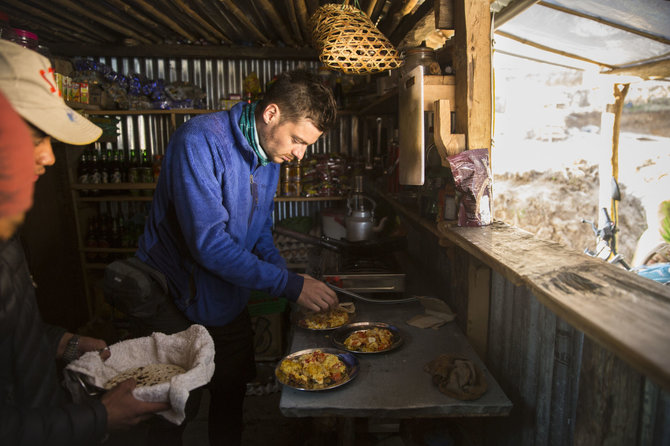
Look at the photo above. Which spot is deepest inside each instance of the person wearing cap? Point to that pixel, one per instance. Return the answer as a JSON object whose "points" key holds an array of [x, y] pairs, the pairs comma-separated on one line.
{"points": [[16, 166], [34, 407]]}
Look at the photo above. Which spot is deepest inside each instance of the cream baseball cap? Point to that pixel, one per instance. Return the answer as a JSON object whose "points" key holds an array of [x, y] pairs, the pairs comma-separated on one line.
{"points": [[27, 81]]}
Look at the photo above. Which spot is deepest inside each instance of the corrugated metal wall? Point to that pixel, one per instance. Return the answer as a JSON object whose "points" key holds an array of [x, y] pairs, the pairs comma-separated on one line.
{"points": [[218, 78], [539, 361], [536, 358]]}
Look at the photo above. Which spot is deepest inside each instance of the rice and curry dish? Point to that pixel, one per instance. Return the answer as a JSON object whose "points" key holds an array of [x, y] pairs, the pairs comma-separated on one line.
{"points": [[313, 371], [369, 340], [333, 318]]}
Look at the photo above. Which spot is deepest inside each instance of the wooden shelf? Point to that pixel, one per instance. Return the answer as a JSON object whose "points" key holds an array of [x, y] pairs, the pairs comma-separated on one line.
{"points": [[116, 198], [114, 186], [378, 105], [109, 250], [285, 199], [176, 111]]}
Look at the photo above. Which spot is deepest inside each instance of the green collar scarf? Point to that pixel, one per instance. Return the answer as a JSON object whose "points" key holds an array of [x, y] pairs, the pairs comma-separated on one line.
{"points": [[248, 127]]}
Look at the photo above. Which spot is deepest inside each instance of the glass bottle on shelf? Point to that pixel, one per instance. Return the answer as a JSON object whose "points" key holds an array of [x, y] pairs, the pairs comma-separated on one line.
{"points": [[94, 172], [123, 165], [146, 172], [115, 168], [82, 171], [104, 168], [133, 167]]}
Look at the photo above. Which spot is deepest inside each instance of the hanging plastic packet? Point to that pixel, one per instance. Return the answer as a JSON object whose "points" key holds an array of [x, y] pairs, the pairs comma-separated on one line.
{"points": [[472, 177]]}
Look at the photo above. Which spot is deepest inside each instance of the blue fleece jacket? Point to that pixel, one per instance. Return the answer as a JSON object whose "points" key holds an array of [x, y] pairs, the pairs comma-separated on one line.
{"points": [[209, 229]]}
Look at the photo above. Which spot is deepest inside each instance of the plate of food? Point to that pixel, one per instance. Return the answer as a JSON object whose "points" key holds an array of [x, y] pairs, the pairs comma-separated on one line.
{"points": [[367, 337], [316, 369], [326, 320]]}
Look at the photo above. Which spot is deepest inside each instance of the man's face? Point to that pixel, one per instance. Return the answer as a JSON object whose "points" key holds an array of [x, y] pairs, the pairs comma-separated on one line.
{"points": [[42, 151], [285, 140]]}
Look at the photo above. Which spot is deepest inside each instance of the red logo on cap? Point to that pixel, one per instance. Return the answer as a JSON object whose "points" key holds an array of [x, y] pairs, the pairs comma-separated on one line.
{"points": [[52, 89]]}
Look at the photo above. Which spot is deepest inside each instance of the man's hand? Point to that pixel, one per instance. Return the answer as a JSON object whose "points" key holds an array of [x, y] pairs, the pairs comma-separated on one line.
{"points": [[124, 410], [85, 344], [316, 295]]}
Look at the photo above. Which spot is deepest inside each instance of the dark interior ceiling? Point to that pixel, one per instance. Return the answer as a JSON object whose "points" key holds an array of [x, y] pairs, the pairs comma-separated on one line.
{"points": [[278, 27], [619, 36]]}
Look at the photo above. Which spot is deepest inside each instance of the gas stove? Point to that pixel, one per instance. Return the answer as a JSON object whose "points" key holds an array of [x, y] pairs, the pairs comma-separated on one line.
{"points": [[363, 274]]}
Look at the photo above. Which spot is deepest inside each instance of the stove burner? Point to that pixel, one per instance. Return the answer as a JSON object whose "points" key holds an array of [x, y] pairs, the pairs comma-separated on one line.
{"points": [[365, 265]]}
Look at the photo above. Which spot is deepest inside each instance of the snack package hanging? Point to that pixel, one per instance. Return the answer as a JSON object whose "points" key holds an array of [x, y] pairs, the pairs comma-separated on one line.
{"points": [[472, 177]]}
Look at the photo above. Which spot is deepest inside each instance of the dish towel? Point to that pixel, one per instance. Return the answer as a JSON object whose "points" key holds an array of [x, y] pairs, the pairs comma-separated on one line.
{"points": [[191, 349], [457, 377], [436, 313]]}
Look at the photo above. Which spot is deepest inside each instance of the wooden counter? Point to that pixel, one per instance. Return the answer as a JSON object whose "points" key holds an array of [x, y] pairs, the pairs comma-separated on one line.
{"points": [[627, 314]]}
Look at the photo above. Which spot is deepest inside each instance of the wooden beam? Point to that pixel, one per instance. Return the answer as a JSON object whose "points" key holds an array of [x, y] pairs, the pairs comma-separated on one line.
{"points": [[447, 143], [105, 22], [512, 10], [472, 69], [303, 17], [293, 21], [185, 51], [398, 14], [113, 16], [216, 18], [479, 301], [606, 22], [444, 14], [141, 18], [197, 18], [242, 17], [421, 23], [653, 70], [46, 30], [371, 8], [312, 6], [278, 23], [620, 92], [174, 26], [49, 12], [551, 50]]}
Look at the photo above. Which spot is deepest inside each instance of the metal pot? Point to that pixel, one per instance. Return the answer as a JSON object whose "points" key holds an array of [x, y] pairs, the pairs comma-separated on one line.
{"points": [[360, 220]]}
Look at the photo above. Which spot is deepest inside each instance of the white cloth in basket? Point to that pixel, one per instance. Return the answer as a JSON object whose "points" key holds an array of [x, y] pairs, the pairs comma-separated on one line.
{"points": [[191, 349]]}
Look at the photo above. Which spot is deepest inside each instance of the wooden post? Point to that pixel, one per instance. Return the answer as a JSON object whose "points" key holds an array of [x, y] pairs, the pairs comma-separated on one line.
{"points": [[610, 125], [472, 68], [479, 300]]}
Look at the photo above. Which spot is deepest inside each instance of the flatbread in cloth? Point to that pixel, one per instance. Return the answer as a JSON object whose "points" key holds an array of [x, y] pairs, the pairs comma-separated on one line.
{"points": [[147, 375], [191, 350]]}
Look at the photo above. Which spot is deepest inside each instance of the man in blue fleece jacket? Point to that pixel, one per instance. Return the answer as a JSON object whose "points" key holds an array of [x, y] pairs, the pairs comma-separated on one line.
{"points": [[209, 229]]}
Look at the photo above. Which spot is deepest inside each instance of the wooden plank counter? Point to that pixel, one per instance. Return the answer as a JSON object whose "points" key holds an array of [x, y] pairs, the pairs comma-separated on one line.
{"points": [[393, 384], [627, 314]]}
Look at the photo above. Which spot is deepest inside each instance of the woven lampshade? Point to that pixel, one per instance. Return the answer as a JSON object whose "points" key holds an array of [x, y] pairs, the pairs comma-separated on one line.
{"points": [[349, 42]]}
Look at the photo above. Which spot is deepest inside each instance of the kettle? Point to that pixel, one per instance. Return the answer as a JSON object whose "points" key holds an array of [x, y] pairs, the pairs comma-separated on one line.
{"points": [[360, 220]]}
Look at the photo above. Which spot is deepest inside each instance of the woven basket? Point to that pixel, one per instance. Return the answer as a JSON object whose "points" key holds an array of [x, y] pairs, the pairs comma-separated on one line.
{"points": [[348, 41]]}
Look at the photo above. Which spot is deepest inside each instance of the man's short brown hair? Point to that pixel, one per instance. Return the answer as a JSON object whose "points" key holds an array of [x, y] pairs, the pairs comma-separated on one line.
{"points": [[300, 94]]}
